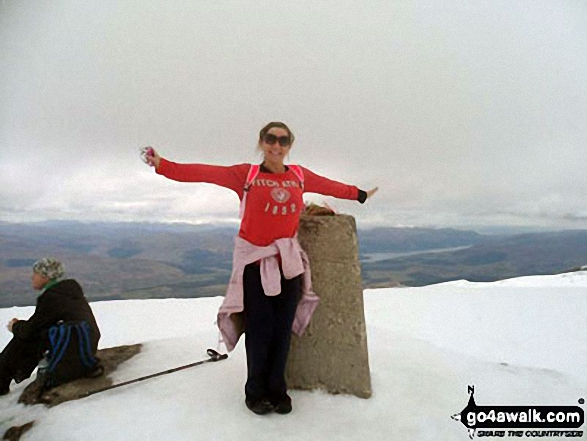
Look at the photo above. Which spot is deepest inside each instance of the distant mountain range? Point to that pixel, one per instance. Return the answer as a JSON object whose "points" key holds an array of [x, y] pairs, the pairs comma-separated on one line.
{"points": [[141, 260], [488, 258]]}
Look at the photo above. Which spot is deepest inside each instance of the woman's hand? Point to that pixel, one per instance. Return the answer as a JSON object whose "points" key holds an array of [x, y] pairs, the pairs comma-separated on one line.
{"points": [[10, 323], [152, 157], [371, 192]]}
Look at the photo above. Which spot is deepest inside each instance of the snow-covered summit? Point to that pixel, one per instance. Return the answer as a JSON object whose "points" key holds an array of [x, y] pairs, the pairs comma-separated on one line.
{"points": [[519, 341]]}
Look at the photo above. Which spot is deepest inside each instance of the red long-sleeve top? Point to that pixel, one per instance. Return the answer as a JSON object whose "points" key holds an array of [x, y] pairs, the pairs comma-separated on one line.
{"points": [[274, 201]]}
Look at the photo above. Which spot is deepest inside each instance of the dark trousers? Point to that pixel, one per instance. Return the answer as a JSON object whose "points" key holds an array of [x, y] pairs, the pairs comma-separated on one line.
{"points": [[18, 360], [268, 322]]}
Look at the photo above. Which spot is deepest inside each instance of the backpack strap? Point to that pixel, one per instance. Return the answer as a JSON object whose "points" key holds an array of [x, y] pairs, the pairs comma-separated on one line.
{"points": [[251, 176], [59, 336], [299, 173], [85, 349]]}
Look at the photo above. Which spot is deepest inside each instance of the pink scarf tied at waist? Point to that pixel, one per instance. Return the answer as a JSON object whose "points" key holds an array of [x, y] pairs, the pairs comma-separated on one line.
{"points": [[294, 262]]}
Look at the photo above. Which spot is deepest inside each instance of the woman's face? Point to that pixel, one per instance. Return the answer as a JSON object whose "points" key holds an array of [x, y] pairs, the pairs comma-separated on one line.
{"points": [[39, 281], [271, 145]]}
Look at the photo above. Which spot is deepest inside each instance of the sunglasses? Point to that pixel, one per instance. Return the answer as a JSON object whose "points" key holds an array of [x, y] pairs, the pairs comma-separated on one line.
{"points": [[272, 139]]}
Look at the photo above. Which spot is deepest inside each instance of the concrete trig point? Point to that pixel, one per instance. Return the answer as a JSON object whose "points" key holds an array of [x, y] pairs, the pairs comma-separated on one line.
{"points": [[332, 354]]}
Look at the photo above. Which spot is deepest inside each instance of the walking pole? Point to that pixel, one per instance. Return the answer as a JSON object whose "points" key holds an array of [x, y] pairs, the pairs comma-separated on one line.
{"points": [[214, 356]]}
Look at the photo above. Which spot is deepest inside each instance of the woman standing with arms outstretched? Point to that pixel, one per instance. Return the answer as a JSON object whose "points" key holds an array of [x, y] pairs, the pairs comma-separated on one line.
{"points": [[270, 292]]}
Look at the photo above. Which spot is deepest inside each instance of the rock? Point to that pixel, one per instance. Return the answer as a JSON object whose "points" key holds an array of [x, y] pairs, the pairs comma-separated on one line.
{"points": [[332, 354], [110, 358], [14, 433]]}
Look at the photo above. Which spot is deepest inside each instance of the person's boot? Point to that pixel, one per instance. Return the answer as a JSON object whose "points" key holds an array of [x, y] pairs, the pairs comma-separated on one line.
{"points": [[20, 376], [282, 405], [97, 371], [260, 407]]}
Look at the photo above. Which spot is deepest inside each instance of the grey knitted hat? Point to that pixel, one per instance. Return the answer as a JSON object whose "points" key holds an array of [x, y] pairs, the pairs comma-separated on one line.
{"points": [[49, 267]]}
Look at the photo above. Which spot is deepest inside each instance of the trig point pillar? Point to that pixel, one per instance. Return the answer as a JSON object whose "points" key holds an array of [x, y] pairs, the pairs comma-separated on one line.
{"points": [[332, 354]]}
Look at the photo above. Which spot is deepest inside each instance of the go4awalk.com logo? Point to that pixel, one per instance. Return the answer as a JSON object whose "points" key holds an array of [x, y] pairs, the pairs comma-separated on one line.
{"points": [[521, 421]]}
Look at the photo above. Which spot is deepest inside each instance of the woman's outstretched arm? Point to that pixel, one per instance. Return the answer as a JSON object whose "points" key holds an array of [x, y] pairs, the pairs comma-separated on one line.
{"points": [[232, 177], [314, 183]]}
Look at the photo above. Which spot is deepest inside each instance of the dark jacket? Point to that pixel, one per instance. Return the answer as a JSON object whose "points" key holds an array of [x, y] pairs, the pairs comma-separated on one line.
{"points": [[62, 301]]}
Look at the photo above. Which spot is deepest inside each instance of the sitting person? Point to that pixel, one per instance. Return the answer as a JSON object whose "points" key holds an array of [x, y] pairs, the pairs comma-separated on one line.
{"points": [[62, 320]]}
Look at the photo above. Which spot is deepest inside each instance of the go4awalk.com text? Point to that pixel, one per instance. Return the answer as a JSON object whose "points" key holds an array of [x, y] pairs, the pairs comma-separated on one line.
{"points": [[521, 421]]}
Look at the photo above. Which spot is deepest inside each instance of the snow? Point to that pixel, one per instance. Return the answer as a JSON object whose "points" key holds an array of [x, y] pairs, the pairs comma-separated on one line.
{"points": [[519, 341]]}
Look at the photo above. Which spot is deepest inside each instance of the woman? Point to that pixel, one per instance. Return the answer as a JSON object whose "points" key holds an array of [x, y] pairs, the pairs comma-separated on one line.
{"points": [[60, 301], [270, 270]]}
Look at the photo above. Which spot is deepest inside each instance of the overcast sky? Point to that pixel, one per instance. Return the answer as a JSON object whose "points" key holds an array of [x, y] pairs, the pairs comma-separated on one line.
{"points": [[462, 112]]}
